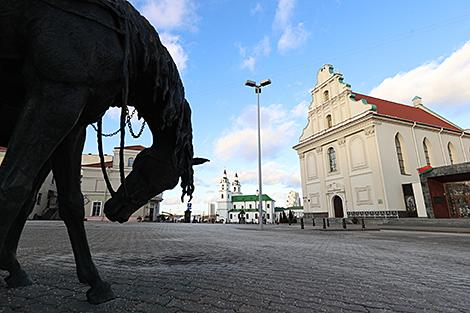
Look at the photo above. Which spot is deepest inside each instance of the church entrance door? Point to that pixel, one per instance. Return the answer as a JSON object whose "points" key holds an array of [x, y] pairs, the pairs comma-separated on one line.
{"points": [[338, 206]]}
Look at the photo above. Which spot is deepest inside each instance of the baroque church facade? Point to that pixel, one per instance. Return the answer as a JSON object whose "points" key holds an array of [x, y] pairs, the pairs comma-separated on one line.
{"points": [[360, 155], [235, 207]]}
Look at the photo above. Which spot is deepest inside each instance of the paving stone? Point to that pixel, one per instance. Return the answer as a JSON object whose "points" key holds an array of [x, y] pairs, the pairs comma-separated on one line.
{"points": [[236, 268]]}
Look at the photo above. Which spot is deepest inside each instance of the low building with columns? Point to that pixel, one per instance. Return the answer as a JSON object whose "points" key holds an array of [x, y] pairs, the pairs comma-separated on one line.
{"points": [[359, 155]]}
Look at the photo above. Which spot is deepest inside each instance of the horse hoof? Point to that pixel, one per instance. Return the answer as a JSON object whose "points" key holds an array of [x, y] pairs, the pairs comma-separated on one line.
{"points": [[18, 279], [100, 294]]}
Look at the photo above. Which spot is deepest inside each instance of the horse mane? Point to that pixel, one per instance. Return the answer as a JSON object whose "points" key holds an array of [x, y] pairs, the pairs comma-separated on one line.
{"points": [[167, 101], [184, 151]]}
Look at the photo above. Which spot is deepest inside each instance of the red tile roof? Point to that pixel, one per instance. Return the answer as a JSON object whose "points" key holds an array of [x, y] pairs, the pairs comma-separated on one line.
{"points": [[136, 148], [406, 112], [107, 164]]}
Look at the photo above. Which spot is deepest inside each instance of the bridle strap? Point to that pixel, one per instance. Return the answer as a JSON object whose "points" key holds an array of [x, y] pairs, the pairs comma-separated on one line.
{"points": [[103, 165]]}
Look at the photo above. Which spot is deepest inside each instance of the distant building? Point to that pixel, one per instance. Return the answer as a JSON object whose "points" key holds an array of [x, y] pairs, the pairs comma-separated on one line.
{"points": [[359, 156], [211, 212], [93, 187], [293, 199], [235, 207], [46, 197]]}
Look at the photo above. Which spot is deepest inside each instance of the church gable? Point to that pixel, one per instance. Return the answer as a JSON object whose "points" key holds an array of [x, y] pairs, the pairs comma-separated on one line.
{"points": [[331, 103]]}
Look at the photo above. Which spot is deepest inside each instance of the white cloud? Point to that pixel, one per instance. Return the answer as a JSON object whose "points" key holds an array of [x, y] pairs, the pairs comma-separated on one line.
{"points": [[249, 63], [263, 47], [442, 82], [170, 14], [292, 38], [179, 55], [251, 56], [278, 129], [257, 8], [273, 173], [114, 113], [301, 109], [167, 16], [284, 12]]}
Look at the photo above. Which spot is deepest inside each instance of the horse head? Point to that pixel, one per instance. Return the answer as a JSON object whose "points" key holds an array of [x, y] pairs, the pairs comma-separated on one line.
{"points": [[153, 172]]}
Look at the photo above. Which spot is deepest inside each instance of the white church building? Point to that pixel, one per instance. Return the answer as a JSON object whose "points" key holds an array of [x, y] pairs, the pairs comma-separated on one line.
{"points": [[359, 155], [235, 207]]}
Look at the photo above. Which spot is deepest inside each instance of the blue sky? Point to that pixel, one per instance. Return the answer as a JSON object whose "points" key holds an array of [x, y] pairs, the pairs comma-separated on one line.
{"points": [[390, 49]]}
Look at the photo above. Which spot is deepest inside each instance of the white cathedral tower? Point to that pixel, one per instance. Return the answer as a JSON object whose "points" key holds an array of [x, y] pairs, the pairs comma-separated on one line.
{"points": [[224, 201], [237, 186]]}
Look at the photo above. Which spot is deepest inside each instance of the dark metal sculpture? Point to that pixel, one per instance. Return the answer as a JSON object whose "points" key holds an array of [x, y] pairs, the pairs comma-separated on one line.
{"points": [[63, 63]]}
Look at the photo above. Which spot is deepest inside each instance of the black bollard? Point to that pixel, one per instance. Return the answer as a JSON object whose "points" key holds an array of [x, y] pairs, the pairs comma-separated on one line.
{"points": [[313, 222], [344, 223], [301, 223], [327, 222], [324, 224], [363, 224]]}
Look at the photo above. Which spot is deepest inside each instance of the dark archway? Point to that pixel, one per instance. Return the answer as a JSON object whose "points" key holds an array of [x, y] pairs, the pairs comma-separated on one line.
{"points": [[338, 206]]}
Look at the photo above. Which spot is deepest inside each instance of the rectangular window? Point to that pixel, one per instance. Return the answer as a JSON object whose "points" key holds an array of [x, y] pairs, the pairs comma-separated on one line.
{"points": [[267, 216], [250, 206], [96, 208], [234, 206], [247, 215], [256, 215], [267, 205], [231, 216]]}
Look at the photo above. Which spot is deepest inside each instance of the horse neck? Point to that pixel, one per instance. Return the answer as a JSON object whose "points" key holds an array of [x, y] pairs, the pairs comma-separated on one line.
{"points": [[164, 139], [10, 8]]}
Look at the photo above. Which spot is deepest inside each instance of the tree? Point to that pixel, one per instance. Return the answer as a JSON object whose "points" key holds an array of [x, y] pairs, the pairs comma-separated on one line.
{"points": [[284, 217], [291, 217]]}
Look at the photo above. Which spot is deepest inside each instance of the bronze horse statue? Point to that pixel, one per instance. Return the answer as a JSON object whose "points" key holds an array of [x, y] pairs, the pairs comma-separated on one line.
{"points": [[63, 63]]}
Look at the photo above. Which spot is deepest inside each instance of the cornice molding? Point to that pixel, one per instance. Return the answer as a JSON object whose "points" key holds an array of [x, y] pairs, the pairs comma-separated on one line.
{"points": [[332, 134]]}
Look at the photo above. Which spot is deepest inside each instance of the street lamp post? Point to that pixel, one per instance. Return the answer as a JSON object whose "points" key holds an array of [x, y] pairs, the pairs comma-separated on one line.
{"points": [[257, 87]]}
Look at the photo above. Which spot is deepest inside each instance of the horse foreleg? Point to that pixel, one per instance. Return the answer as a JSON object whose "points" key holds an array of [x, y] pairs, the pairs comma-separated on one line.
{"points": [[67, 170], [50, 113], [8, 261]]}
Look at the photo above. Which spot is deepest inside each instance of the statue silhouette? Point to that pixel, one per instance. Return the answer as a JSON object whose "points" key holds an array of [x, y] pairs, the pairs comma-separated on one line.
{"points": [[63, 63]]}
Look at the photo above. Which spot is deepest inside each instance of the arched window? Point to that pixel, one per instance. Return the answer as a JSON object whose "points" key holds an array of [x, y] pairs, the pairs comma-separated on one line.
{"points": [[326, 95], [401, 162], [450, 149], [426, 151], [329, 122], [130, 162], [332, 159]]}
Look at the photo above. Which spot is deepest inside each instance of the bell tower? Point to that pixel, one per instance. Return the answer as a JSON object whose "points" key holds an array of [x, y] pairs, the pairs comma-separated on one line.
{"points": [[224, 200], [224, 191], [237, 186]]}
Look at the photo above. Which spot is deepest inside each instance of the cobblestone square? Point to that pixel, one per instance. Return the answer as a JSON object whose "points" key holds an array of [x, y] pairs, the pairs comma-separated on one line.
{"points": [[237, 268]]}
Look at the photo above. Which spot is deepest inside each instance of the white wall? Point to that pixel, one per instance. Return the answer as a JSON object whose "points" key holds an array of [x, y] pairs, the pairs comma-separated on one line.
{"points": [[368, 176]]}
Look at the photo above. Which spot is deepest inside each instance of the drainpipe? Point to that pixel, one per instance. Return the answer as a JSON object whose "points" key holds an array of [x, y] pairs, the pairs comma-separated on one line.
{"points": [[416, 147], [442, 147], [463, 147]]}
